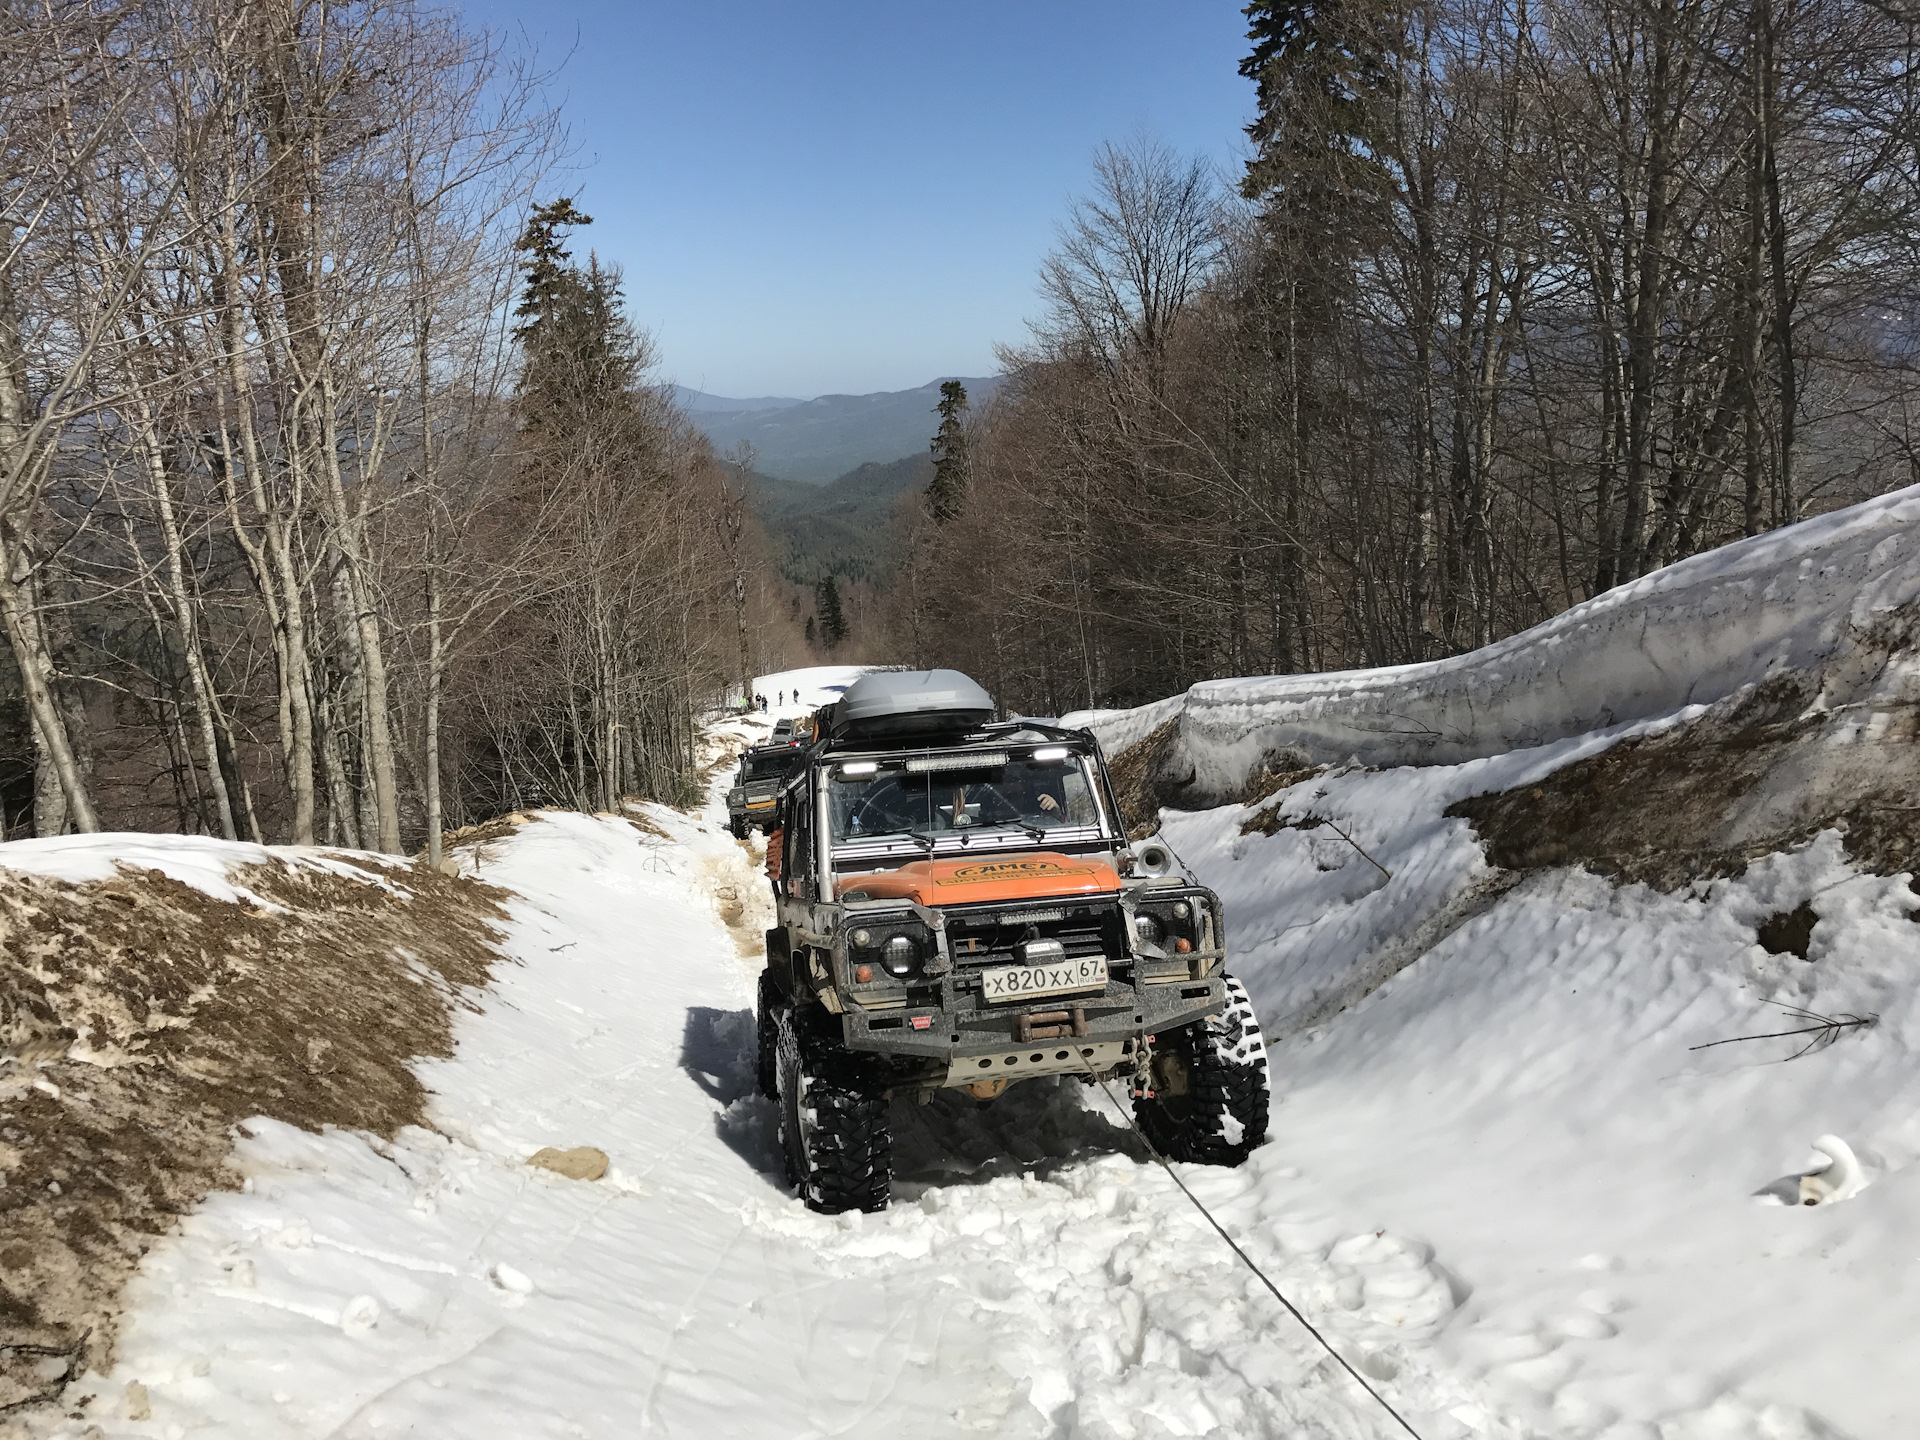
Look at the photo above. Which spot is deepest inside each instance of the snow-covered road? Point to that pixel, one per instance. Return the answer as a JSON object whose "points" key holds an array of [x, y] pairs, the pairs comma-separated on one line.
{"points": [[1521, 1099], [1036, 1277]]}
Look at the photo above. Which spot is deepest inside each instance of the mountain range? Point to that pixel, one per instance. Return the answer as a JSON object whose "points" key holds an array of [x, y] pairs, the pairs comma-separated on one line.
{"points": [[820, 440]]}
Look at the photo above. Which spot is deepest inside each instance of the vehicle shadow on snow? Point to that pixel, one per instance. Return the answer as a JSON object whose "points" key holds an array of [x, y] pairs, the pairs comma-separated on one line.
{"points": [[1037, 1128], [717, 1052]]}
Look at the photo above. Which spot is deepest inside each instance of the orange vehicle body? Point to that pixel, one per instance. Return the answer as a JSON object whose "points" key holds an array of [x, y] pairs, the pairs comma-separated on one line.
{"points": [[1044, 876]]}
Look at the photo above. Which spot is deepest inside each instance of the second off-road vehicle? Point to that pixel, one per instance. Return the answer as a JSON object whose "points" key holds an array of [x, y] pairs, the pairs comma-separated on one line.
{"points": [[756, 787], [958, 907]]}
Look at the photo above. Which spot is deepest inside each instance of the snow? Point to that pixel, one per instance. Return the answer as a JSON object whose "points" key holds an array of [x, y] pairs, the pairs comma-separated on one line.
{"points": [[197, 860], [1686, 635], [808, 689], [1523, 1100], [1500, 1178]]}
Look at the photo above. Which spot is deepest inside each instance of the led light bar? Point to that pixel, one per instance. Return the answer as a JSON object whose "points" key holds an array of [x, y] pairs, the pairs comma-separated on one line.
{"points": [[1030, 917], [984, 760], [859, 767], [1052, 752]]}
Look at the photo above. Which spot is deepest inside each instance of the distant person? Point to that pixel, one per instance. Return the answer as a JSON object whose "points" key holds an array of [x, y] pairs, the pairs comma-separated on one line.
{"points": [[783, 699]]}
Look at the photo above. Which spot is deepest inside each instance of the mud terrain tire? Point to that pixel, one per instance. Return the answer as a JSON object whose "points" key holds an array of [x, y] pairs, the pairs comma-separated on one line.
{"points": [[766, 1017], [1222, 1116], [833, 1126]]}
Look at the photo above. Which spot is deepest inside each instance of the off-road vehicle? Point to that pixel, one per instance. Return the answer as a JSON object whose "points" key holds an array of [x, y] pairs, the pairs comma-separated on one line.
{"points": [[756, 787], [958, 907]]}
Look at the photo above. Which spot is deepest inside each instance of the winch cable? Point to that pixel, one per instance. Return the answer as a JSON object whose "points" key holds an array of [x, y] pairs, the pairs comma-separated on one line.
{"points": [[1245, 1259]]}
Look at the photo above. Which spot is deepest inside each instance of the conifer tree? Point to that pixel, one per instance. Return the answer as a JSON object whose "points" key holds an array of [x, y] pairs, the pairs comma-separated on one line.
{"points": [[833, 618], [947, 492]]}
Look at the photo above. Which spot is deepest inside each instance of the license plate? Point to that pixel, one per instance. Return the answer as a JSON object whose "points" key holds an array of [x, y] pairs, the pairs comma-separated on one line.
{"points": [[1018, 982]]}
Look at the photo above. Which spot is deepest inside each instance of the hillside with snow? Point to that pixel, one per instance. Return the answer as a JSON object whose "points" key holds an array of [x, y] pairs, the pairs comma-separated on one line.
{"points": [[1488, 908]]}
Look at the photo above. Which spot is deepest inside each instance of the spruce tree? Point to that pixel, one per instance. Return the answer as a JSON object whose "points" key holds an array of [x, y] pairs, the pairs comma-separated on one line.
{"points": [[580, 357], [947, 492], [833, 619]]}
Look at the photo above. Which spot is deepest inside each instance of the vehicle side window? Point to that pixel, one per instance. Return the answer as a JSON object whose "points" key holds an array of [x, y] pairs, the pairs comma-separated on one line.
{"points": [[799, 856]]}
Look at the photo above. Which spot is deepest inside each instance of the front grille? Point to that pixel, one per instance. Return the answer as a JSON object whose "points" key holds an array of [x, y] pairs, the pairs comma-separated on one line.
{"points": [[987, 936]]}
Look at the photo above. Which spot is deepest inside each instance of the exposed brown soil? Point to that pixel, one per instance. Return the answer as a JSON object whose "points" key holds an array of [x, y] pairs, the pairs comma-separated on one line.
{"points": [[1151, 774], [1138, 787], [1789, 932], [1759, 773], [143, 1020]]}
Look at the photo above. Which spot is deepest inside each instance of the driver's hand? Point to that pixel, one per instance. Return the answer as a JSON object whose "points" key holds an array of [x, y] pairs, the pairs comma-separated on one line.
{"points": [[1049, 804]]}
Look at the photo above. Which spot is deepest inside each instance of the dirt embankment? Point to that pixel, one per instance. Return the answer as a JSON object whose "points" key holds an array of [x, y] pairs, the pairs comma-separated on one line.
{"points": [[1762, 771], [142, 1020], [1151, 775]]}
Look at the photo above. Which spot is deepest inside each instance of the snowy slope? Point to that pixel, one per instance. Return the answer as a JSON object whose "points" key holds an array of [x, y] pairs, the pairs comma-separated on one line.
{"points": [[1686, 635], [1499, 1065], [1523, 1100], [1499, 1178], [800, 692]]}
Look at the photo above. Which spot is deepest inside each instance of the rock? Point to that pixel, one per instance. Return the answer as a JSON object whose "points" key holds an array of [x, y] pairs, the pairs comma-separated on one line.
{"points": [[138, 1406], [583, 1162]]}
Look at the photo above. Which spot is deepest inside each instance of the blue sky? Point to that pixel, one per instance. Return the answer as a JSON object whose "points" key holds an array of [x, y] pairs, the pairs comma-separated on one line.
{"points": [[848, 197]]}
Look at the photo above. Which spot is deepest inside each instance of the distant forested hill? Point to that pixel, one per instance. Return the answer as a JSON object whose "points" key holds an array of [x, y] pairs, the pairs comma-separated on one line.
{"points": [[842, 527], [818, 441]]}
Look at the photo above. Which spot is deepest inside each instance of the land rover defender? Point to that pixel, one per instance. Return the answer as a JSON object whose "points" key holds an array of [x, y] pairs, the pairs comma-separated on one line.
{"points": [[756, 787], [958, 907]]}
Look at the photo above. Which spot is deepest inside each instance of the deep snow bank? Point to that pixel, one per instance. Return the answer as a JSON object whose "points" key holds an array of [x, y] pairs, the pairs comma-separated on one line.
{"points": [[1686, 635], [1497, 1061]]}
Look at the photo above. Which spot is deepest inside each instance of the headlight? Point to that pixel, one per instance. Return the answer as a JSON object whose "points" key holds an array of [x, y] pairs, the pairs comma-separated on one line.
{"points": [[1176, 924], [899, 948], [901, 957]]}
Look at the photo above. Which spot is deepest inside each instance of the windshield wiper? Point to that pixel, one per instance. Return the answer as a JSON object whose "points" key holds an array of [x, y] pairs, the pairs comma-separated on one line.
{"points": [[924, 841]]}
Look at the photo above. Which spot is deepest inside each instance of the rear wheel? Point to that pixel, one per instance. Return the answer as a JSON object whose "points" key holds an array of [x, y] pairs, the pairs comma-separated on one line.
{"points": [[1212, 1087], [833, 1127]]}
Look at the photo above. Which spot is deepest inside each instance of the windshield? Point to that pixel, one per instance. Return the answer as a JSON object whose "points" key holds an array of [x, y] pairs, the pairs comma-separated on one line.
{"points": [[1033, 796], [769, 767]]}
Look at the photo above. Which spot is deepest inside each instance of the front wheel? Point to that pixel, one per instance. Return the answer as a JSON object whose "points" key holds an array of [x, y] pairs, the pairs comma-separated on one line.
{"points": [[1211, 1087], [833, 1128], [767, 1015]]}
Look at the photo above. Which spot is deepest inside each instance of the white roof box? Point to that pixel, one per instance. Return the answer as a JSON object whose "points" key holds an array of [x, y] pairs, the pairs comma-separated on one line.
{"points": [[898, 704]]}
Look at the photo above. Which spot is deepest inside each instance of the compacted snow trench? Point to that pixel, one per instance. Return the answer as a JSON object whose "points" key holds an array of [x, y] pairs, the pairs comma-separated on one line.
{"points": [[1037, 1275]]}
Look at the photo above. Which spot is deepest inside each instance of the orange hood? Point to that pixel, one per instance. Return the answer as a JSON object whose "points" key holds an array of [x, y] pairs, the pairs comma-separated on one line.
{"points": [[1045, 876]]}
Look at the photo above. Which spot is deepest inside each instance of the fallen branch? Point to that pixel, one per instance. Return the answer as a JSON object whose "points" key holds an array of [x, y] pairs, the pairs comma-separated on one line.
{"points": [[1825, 1030], [1317, 820]]}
